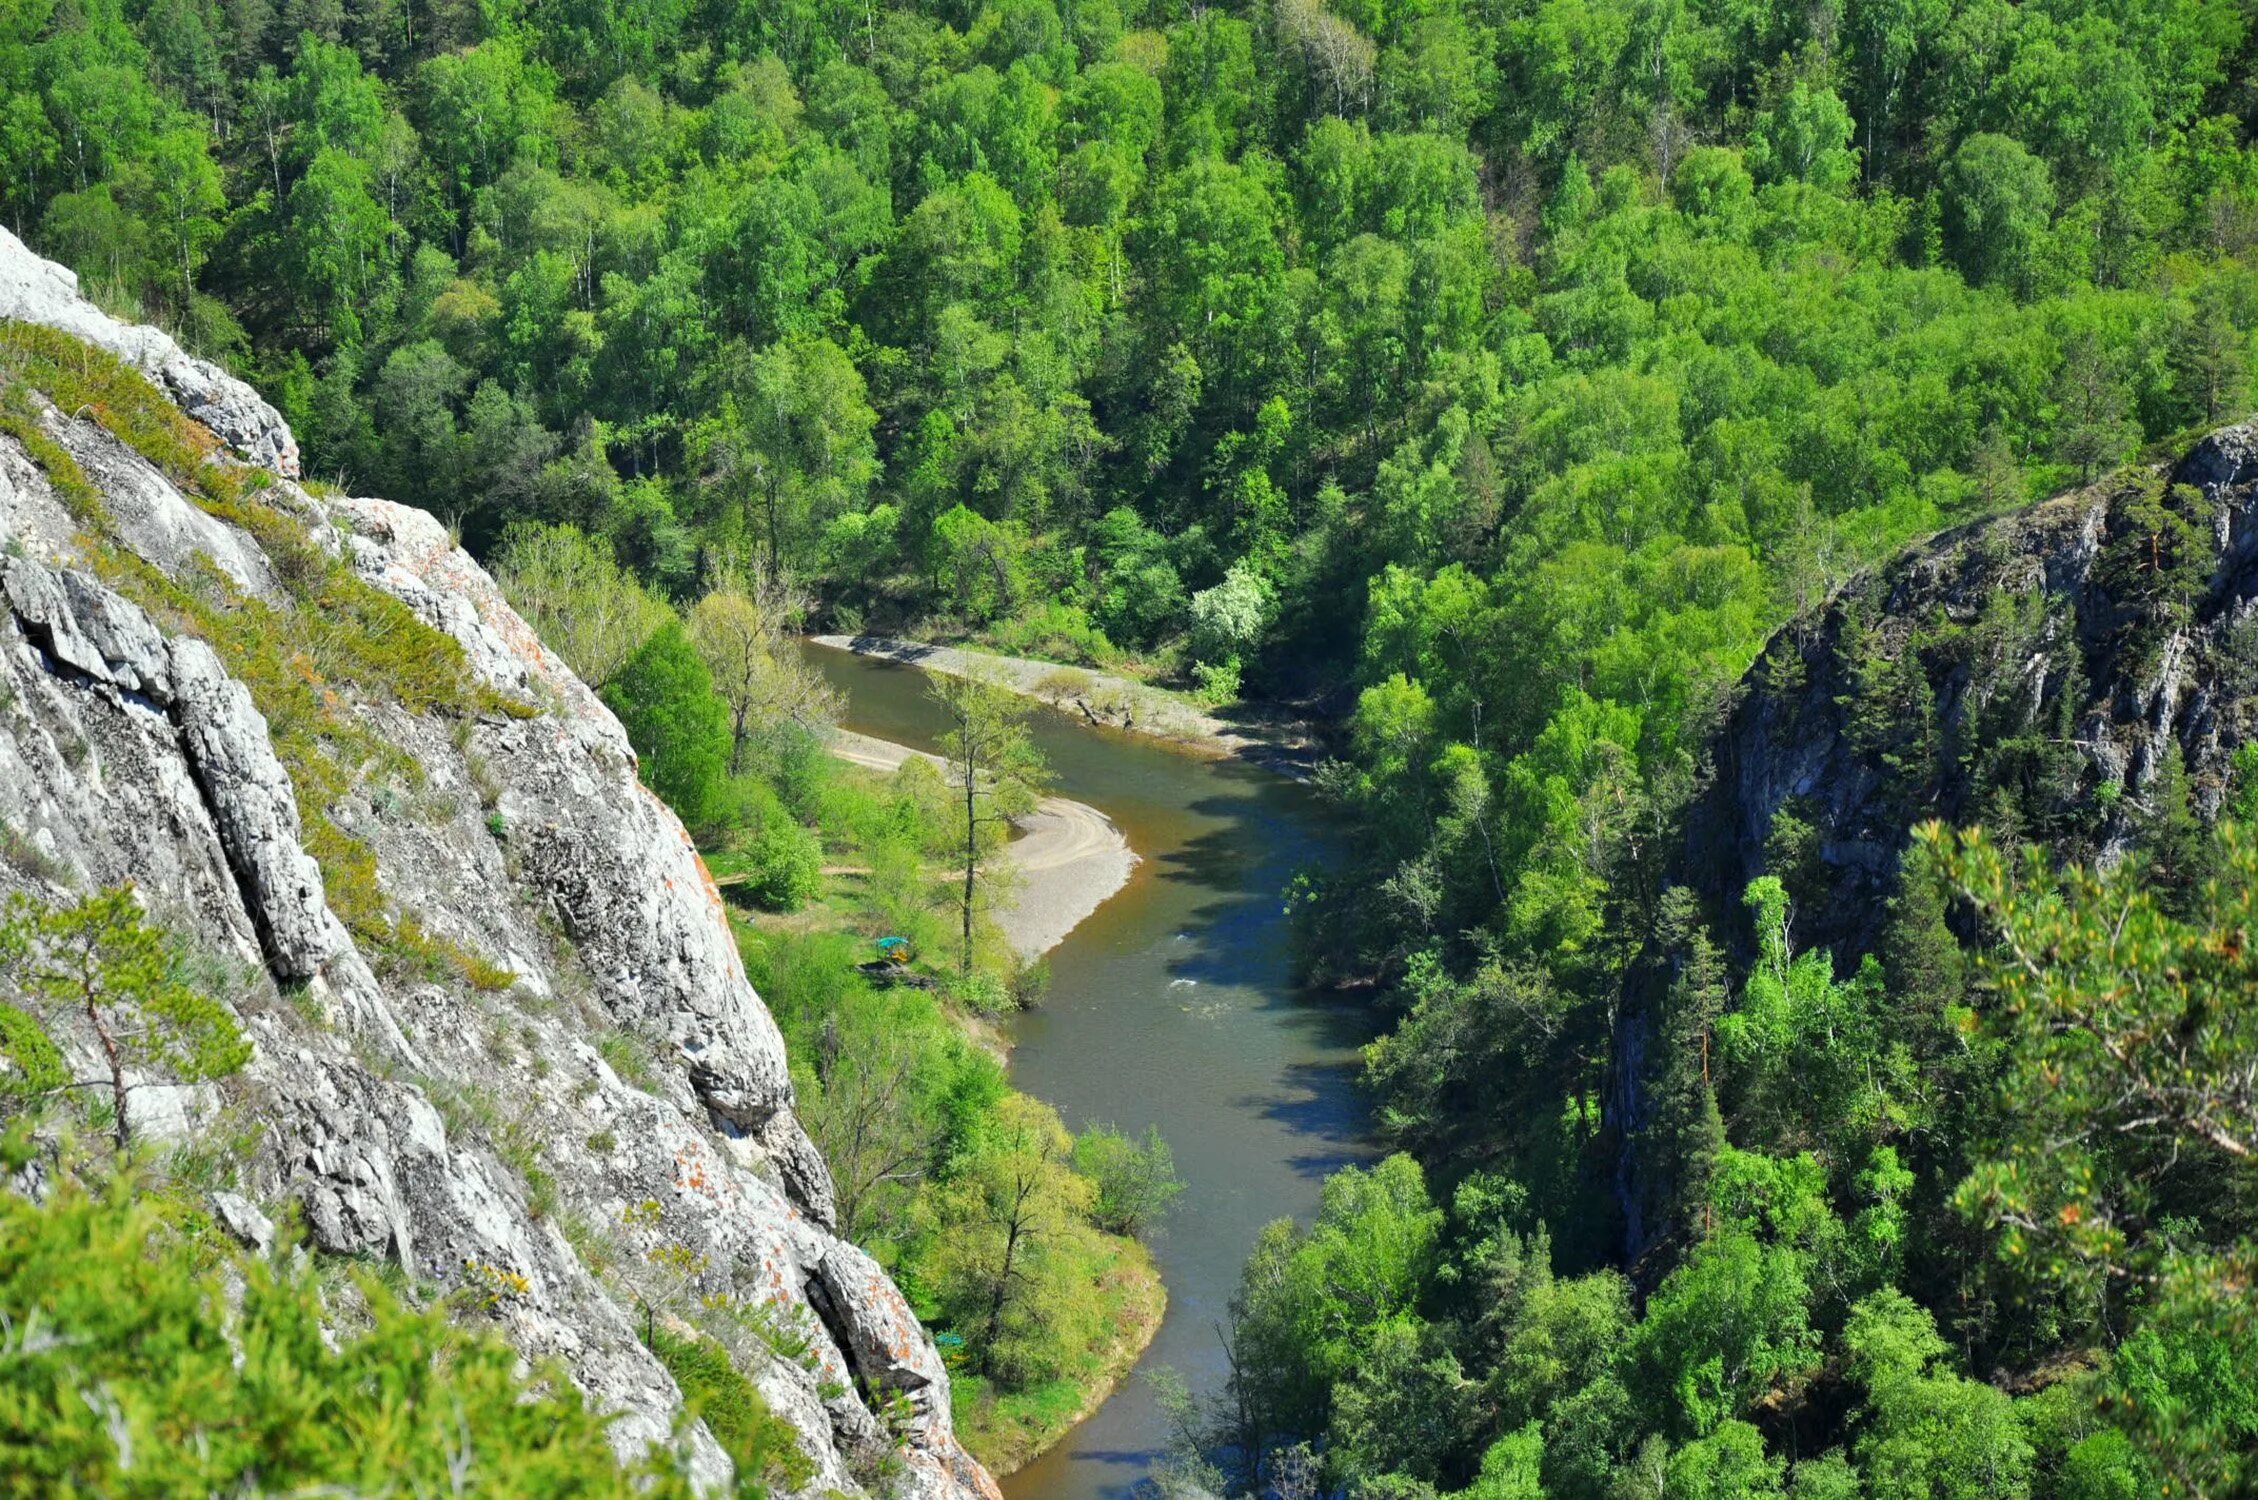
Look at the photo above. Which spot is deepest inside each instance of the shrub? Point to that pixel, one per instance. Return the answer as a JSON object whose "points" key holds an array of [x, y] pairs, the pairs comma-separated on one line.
{"points": [[982, 993], [1218, 682], [863, 544], [804, 976], [630, 1057], [97, 959], [1056, 631], [1066, 682], [581, 603], [1141, 601], [787, 866], [764, 1446], [146, 1360], [78, 377]]}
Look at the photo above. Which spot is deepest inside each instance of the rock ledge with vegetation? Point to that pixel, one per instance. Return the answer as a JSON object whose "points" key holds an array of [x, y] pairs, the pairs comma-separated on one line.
{"points": [[2072, 673], [502, 1038]]}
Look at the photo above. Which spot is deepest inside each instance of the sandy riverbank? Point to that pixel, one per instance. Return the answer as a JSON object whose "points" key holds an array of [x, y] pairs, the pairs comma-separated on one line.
{"points": [[1107, 700], [1069, 855]]}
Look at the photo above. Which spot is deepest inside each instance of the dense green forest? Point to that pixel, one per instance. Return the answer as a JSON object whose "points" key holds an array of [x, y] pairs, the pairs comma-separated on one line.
{"points": [[1503, 374]]}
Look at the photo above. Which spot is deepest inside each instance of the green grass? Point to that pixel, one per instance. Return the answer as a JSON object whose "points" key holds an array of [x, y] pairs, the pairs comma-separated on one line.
{"points": [[629, 1055], [337, 639], [85, 381], [764, 1446]]}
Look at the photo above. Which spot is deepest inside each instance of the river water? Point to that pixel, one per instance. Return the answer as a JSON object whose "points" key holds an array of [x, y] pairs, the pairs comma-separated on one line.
{"points": [[1173, 1006]]}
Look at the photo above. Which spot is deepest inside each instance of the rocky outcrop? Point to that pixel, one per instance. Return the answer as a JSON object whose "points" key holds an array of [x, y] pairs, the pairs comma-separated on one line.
{"points": [[543, 1078], [87, 630], [2057, 674], [33, 290], [2036, 672]]}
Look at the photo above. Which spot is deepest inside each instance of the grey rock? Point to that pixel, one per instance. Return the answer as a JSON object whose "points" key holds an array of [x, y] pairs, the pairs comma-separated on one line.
{"points": [[406, 1114], [34, 290], [878, 1329], [256, 810], [242, 1219], [88, 629]]}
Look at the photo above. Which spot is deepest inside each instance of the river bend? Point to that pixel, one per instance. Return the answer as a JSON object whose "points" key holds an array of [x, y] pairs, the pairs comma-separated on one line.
{"points": [[1173, 1005]]}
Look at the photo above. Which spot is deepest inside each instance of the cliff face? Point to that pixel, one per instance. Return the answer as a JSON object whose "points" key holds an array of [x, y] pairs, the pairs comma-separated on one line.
{"points": [[2035, 672], [502, 1033], [2066, 675]]}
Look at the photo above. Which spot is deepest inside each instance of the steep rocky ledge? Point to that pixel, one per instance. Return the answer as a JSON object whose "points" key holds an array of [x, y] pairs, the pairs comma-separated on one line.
{"points": [[2034, 672], [2059, 674], [594, 1079]]}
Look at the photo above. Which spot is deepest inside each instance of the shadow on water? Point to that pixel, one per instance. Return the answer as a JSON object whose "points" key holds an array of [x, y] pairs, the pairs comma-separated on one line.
{"points": [[1174, 1005]]}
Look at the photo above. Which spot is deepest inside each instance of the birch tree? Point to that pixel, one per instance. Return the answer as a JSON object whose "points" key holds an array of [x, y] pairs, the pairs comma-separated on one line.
{"points": [[994, 774]]}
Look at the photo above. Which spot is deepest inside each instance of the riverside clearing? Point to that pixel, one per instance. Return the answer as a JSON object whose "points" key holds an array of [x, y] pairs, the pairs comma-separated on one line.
{"points": [[1070, 857]]}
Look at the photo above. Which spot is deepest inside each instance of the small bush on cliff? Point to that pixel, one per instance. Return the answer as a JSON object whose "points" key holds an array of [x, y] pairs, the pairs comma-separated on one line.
{"points": [[763, 1445], [81, 379]]}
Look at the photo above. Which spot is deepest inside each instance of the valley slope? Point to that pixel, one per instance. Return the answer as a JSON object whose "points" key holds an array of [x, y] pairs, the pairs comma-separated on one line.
{"points": [[503, 1037]]}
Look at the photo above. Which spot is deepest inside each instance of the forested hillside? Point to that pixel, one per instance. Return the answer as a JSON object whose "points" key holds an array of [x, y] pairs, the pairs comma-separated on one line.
{"points": [[1511, 370], [1649, 316], [1850, 1155]]}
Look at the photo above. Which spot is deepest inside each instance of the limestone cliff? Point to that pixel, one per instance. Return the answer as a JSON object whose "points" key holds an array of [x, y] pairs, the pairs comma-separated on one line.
{"points": [[2061, 674], [2050, 673], [502, 1032]]}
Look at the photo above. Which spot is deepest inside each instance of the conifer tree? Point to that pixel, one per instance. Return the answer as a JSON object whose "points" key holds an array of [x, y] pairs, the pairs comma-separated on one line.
{"points": [[1687, 1120], [96, 961], [2173, 842]]}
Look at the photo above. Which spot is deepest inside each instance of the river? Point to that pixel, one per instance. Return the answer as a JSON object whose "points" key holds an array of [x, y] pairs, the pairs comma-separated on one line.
{"points": [[1173, 1006]]}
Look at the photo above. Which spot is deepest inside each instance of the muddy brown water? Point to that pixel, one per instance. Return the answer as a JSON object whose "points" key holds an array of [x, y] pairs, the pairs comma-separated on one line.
{"points": [[1173, 1005]]}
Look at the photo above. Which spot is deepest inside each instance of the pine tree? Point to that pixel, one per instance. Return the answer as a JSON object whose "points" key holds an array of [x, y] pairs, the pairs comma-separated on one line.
{"points": [[1921, 959], [97, 962], [2172, 840], [1688, 1126]]}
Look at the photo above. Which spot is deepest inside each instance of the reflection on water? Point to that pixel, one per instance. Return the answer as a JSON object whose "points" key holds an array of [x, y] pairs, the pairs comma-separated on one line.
{"points": [[1172, 1006]]}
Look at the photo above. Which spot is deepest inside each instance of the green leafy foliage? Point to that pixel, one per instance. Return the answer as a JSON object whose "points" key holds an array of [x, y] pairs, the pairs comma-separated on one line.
{"points": [[1135, 1178], [787, 865], [2052, 1126], [135, 1371], [1311, 1301], [1927, 1433], [579, 601], [1523, 368], [664, 697]]}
